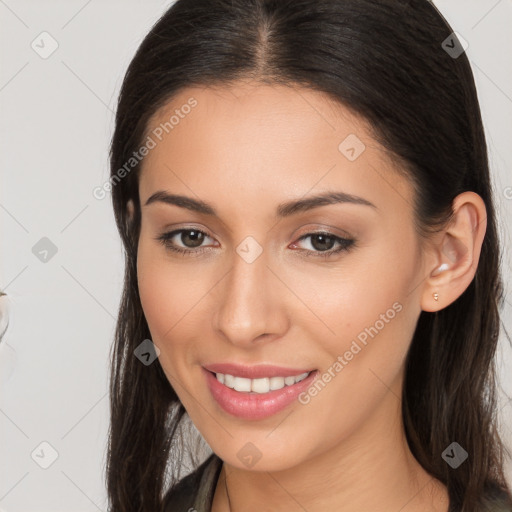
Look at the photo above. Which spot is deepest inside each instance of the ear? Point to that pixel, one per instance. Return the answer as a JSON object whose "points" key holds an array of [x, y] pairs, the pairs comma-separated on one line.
{"points": [[130, 214], [130, 209], [456, 253]]}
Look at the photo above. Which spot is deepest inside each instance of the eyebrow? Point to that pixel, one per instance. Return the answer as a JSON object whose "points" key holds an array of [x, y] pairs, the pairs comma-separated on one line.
{"points": [[283, 210]]}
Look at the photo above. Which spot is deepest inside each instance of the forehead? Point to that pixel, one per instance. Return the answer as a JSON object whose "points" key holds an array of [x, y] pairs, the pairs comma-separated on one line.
{"points": [[243, 108], [264, 139]]}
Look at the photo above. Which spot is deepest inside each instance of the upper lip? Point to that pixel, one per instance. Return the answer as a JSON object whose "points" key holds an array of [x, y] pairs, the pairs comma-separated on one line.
{"points": [[254, 372]]}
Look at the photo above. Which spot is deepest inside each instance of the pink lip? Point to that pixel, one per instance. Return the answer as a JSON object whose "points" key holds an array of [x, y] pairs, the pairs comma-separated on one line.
{"points": [[256, 406], [254, 372]]}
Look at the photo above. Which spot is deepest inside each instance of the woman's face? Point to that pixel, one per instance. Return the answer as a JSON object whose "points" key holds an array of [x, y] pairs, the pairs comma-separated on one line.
{"points": [[329, 287]]}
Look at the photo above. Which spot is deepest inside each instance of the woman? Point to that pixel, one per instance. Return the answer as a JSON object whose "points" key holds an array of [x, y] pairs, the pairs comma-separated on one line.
{"points": [[302, 189]]}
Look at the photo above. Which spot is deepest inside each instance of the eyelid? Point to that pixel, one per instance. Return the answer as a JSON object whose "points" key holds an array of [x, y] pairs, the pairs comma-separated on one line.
{"points": [[171, 233], [169, 228], [344, 244], [323, 228]]}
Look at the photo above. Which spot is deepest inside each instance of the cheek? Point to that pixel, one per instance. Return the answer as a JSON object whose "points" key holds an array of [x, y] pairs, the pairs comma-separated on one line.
{"points": [[366, 294], [167, 295], [368, 316], [175, 302], [362, 363]]}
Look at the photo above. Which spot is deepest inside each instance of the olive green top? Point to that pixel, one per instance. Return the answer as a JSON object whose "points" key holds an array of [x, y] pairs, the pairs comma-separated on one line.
{"points": [[194, 493]]}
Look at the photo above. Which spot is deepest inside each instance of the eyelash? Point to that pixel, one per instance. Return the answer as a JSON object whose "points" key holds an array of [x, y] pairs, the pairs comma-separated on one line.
{"points": [[345, 244]]}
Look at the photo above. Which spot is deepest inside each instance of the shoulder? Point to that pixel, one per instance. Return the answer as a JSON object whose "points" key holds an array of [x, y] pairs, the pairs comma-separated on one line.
{"points": [[196, 490]]}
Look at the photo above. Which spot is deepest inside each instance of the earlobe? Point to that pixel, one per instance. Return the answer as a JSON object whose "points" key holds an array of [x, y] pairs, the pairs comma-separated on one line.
{"points": [[130, 214], [457, 253], [130, 209]]}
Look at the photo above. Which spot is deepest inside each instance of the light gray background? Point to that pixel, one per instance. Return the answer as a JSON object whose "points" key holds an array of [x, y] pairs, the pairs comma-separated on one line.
{"points": [[55, 127]]}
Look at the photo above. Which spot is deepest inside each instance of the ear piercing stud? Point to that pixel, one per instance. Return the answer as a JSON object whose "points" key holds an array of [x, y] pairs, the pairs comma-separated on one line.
{"points": [[440, 269]]}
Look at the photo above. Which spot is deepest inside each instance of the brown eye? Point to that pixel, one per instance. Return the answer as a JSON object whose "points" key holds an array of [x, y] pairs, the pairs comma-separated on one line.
{"points": [[184, 240], [321, 244], [192, 238]]}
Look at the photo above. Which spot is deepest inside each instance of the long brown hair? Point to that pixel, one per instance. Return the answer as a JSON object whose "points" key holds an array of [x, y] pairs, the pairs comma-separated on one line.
{"points": [[388, 61]]}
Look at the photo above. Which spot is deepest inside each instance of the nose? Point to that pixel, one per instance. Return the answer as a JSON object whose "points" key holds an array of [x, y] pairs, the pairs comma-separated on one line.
{"points": [[249, 304]]}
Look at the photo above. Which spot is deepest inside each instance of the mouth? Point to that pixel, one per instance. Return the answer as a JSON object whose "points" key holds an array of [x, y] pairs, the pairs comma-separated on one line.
{"points": [[260, 397]]}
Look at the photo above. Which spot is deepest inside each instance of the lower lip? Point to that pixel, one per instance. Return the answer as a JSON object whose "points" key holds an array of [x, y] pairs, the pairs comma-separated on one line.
{"points": [[255, 406]]}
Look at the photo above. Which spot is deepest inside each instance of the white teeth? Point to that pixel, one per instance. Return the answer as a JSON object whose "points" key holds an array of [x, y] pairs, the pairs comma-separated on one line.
{"points": [[262, 385], [276, 382], [242, 384], [229, 380]]}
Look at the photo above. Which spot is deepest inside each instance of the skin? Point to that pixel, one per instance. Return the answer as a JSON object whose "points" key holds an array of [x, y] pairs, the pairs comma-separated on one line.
{"points": [[244, 149]]}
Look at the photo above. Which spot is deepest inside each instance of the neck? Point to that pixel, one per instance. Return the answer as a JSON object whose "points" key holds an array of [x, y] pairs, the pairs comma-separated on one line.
{"points": [[370, 469]]}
